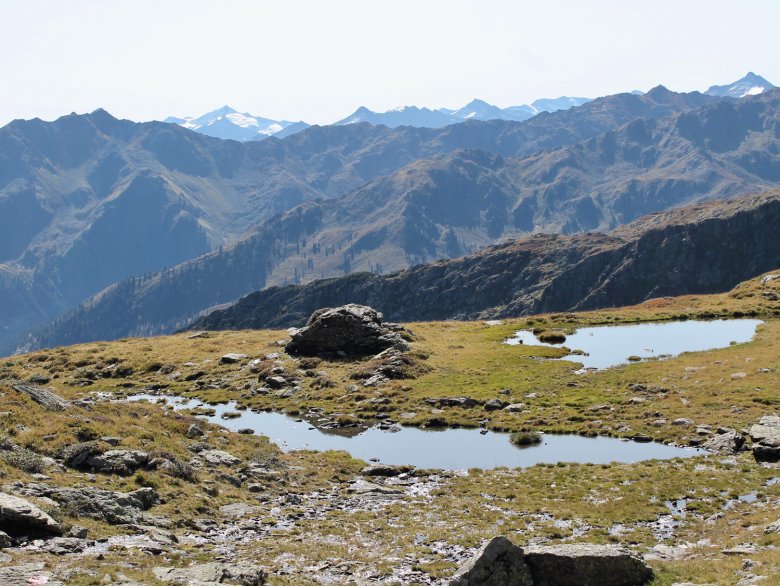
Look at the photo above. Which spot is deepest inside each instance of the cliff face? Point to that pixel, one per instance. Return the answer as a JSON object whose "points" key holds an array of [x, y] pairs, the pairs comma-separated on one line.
{"points": [[700, 249]]}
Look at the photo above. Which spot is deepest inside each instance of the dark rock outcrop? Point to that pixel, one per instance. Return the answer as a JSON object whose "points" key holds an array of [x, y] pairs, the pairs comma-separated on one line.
{"points": [[497, 563], [349, 330], [501, 563], [584, 564]]}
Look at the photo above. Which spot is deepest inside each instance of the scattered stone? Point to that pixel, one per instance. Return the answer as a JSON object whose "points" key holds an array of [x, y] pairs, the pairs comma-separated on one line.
{"points": [[242, 573], [194, 431], [65, 545], [237, 510], [246, 431], [219, 458], [386, 470], [232, 358], [495, 404], [738, 375], [726, 442], [20, 517], [773, 527], [682, 421], [497, 563], [44, 397], [349, 330], [583, 564], [465, 402], [515, 407], [766, 439], [117, 461], [27, 574], [78, 531], [198, 335], [5, 540], [363, 487]]}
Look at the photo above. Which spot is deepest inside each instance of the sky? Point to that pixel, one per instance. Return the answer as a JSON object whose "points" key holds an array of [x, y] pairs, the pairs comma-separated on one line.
{"points": [[318, 60]]}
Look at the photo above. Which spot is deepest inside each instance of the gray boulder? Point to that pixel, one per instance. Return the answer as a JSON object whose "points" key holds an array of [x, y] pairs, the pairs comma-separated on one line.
{"points": [[584, 564], [728, 442], [349, 330], [497, 563], [112, 507], [766, 439], [232, 358], [44, 397], [219, 458], [20, 517], [118, 461]]}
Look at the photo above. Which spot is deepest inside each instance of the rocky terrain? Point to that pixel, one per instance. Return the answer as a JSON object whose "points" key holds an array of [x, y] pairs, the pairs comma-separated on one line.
{"points": [[96, 489]]}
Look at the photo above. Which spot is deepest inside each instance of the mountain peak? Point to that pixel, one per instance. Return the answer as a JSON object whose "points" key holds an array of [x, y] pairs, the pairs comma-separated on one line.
{"points": [[750, 85]]}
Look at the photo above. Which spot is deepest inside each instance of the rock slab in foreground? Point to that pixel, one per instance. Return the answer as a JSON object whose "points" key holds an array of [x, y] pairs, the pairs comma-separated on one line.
{"points": [[20, 517], [501, 563], [349, 330], [497, 563], [584, 564]]}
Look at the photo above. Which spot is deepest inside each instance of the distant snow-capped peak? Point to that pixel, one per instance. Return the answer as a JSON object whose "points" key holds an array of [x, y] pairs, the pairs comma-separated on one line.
{"points": [[225, 122], [750, 85]]}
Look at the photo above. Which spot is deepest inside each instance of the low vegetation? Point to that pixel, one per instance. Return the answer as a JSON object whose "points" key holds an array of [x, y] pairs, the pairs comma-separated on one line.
{"points": [[305, 511]]}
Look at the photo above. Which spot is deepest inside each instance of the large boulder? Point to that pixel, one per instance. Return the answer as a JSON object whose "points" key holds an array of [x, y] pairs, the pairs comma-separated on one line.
{"points": [[112, 507], [349, 330], [497, 563], [766, 439], [584, 564], [20, 517]]}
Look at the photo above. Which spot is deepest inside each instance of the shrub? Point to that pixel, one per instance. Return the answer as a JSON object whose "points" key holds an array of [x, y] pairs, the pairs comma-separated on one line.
{"points": [[24, 460], [522, 439]]}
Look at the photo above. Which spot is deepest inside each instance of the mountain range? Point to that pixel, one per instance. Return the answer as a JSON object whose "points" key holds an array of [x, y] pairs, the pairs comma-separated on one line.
{"points": [[673, 149], [228, 123], [89, 200]]}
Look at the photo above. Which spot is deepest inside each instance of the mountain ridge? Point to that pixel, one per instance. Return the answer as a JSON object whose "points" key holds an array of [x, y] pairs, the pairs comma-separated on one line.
{"points": [[547, 273]]}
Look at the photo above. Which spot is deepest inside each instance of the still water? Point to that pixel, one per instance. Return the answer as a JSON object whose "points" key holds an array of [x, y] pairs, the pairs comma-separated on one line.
{"points": [[448, 448], [607, 346]]}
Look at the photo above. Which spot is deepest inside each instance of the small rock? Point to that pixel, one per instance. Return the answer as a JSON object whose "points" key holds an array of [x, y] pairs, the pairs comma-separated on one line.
{"points": [[495, 404], [219, 458], [232, 358], [194, 431]]}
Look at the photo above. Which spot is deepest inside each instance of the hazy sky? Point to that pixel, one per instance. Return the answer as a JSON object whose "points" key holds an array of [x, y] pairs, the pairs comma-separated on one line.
{"points": [[317, 60]]}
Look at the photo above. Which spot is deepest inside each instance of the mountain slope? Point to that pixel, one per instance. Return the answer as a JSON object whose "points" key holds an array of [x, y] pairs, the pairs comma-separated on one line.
{"points": [[65, 186], [456, 203], [701, 249]]}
